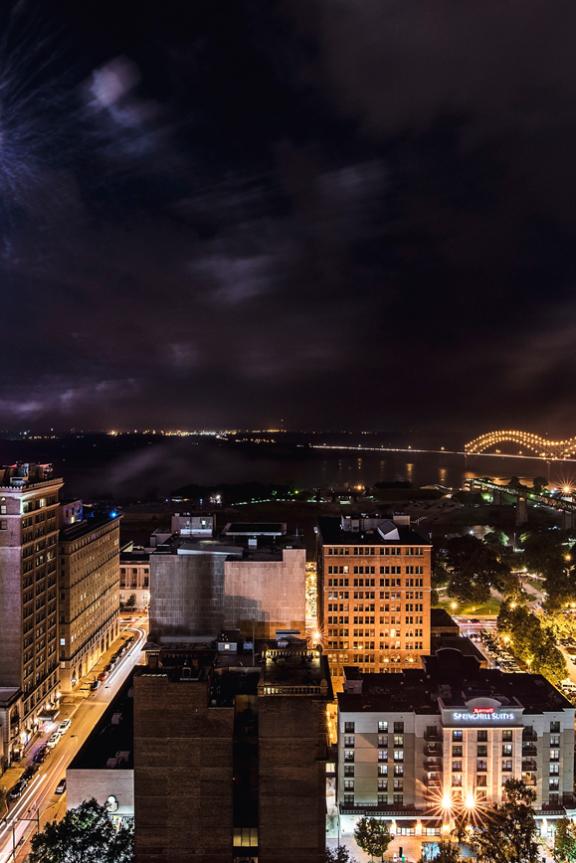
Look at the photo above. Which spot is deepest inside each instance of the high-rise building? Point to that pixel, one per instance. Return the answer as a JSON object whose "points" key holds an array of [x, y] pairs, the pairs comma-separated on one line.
{"points": [[89, 584], [293, 693], [29, 504], [374, 578], [426, 746], [230, 757]]}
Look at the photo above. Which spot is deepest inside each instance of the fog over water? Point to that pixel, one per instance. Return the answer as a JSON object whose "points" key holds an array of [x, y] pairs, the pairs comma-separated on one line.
{"points": [[133, 467]]}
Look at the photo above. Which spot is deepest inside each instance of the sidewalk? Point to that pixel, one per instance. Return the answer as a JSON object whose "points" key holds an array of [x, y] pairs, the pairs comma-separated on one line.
{"points": [[69, 704]]}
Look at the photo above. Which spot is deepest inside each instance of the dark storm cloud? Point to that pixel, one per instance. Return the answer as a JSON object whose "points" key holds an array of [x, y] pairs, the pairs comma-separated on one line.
{"points": [[338, 213]]}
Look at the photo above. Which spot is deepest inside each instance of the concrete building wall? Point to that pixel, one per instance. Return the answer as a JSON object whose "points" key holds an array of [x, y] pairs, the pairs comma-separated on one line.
{"points": [[186, 595], [292, 779], [11, 650], [267, 595], [553, 755], [183, 777]]}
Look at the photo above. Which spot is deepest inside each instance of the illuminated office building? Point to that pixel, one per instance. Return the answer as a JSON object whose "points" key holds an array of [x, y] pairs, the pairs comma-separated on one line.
{"points": [[375, 585], [89, 586]]}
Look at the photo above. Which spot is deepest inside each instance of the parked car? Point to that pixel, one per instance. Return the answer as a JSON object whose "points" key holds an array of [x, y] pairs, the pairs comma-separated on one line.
{"points": [[64, 726], [103, 675], [53, 740], [30, 771], [61, 787], [94, 685], [18, 789], [41, 754]]}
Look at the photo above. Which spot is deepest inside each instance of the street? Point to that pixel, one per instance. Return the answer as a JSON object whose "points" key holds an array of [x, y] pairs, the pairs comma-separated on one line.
{"points": [[39, 804]]}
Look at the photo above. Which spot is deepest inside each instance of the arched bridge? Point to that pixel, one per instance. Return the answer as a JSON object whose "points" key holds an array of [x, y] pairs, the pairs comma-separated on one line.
{"points": [[528, 443]]}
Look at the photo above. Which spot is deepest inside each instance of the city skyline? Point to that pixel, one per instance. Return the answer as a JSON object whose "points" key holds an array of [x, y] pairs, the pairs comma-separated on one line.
{"points": [[234, 216], [287, 437]]}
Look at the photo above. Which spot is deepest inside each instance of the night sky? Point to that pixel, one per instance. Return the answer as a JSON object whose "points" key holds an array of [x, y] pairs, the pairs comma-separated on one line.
{"points": [[339, 213]]}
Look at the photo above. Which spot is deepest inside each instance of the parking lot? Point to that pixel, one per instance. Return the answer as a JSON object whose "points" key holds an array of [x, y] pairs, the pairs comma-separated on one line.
{"points": [[496, 651]]}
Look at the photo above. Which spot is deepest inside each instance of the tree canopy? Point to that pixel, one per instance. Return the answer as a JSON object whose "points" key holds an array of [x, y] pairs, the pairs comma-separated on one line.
{"points": [[547, 552], [510, 834], [85, 835], [473, 567], [565, 842], [533, 643], [372, 836]]}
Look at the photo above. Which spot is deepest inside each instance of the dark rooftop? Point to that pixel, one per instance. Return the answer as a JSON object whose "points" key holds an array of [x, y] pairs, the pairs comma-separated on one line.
{"points": [[453, 677], [82, 528], [267, 548], [295, 666], [139, 555], [331, 531], [282, 665], [109, 745], [440, 619], [253, 528], [457, 642]]}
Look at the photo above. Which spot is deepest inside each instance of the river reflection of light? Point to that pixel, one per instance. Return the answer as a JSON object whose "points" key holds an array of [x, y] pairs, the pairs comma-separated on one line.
{"points": [[409, 471]]}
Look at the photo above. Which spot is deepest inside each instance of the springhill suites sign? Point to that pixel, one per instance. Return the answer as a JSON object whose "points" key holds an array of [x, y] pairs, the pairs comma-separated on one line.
{"points": [[477, 716], [485, 716]]}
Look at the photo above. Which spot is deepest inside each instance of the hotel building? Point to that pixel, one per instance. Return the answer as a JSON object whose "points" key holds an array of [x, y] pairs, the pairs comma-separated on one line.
{"points": [[420, 747], [29, 504], [374, 578]]}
